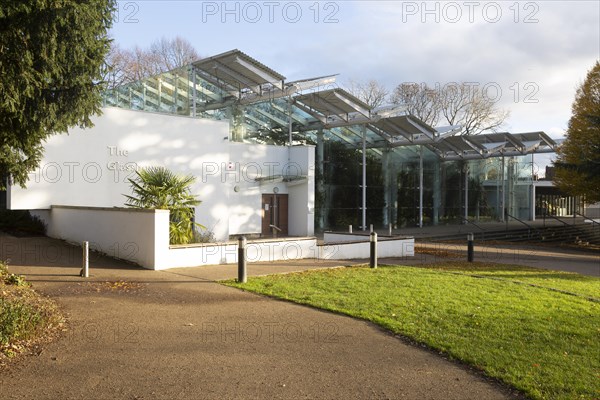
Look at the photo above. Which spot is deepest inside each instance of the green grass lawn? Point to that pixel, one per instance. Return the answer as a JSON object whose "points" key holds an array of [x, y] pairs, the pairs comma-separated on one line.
{"points": [[513, 323]]}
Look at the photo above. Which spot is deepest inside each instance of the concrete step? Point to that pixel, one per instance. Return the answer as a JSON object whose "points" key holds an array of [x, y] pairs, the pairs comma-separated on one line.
{"points": [[577, 234]]}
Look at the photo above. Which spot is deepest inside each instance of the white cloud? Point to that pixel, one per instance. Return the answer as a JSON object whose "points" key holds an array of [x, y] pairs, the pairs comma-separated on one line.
{"points": [[388, 41]]}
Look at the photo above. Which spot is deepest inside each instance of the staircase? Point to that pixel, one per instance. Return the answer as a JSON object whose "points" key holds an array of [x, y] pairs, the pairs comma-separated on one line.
{"points": [[584, 234]]}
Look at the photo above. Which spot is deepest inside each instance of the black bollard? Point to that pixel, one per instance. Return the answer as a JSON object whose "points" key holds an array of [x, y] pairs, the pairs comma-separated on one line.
{"points": [[373, 260], [470, 254], [242, 276]]}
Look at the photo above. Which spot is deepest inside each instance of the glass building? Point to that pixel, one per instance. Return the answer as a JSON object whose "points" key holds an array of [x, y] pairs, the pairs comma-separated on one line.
{"points": [[373, 166]]}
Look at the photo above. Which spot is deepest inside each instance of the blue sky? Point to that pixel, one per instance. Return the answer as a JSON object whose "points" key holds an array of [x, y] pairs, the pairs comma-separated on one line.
{"points": [[531, 55]]}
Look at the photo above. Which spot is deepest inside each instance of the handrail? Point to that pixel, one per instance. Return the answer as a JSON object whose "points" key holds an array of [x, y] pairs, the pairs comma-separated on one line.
{"points": [[475, 225], [523, 222], [586, 217], [558, 219], [275, 230]]}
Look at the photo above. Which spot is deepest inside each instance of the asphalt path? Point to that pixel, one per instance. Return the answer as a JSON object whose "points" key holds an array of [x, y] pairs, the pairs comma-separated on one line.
{"points": [[178, 334]]}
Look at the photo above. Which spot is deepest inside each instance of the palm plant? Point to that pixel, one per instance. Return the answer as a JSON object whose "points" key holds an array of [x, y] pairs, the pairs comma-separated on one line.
{"points": [[160, 188]]}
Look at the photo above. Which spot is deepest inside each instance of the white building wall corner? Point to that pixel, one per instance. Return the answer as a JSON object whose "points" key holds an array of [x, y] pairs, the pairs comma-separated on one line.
{"points": [[160, 244], [302, 196]]}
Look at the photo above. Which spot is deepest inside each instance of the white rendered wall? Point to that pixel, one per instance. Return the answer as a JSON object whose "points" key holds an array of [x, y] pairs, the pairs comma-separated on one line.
{"points": [[142, 236], [592, 210], [302, 195], [129, 234], [227, 253], [386, 248], [340, 237], [91, 168], [251, 161]]}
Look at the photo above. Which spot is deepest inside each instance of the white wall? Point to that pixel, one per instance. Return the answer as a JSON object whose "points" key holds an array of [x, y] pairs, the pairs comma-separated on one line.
{"points": [[592, 210], [340, 237], [91, 168], [252, 161], [80, 168], [142, 236], [302, 195], [227, 253], [129, 234], [351, 247]]}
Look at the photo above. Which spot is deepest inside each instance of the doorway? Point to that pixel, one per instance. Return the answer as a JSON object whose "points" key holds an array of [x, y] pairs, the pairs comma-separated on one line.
{"points": [[274, 213]]}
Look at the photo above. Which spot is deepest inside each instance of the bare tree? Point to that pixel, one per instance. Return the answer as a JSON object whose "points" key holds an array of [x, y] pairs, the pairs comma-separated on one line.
{"points": [[115, 67], [142, 64], [125, 66], [462, 104], [420, 101], [469, 106], [169, 54], [372, 92]]}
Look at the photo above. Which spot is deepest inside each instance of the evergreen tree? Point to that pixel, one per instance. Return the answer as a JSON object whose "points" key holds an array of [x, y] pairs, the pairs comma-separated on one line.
{"points": [[51, 60], [578, 162]]}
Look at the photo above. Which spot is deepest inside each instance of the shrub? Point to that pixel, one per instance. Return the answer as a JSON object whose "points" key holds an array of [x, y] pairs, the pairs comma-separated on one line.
{"points": [[160, 188], [21, 222], [18, 320]]}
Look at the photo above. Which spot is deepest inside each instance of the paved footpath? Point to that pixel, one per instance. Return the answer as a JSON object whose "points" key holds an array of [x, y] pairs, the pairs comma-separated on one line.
{"points": [[178, 334]]}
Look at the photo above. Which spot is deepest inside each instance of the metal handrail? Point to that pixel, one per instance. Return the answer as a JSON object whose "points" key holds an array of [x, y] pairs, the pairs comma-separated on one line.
{"points": [[275, 230], [476, 226], [558, 219], [524, 223], [586, 217]]}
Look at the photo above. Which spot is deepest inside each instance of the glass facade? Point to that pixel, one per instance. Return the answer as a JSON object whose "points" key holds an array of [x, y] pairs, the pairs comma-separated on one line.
{"points": [[475, 188]]}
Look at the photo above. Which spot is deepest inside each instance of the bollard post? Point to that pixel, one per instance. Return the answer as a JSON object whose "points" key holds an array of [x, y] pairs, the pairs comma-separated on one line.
{"points": [[390, 229], [349, 228], [470, 247], [85, 268], [373, 260], [242, 276]]}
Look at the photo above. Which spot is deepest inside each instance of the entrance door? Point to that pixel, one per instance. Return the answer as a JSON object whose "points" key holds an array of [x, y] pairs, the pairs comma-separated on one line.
{"points": [[274, 212]]}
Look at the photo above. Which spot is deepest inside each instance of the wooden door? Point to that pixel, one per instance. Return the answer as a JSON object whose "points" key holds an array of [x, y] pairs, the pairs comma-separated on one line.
{"points": [[274, 212]]}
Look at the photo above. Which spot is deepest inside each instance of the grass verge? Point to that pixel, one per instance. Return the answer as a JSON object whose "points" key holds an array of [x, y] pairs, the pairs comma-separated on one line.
{"points": [[26, 317], [536, 330]]}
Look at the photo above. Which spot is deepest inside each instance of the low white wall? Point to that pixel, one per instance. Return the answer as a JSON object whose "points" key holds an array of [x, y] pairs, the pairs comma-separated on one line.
{"points": [[142, 237], [227, 253], [592, 210], [126, 233], [340, 237], [279, 250], [401, 247]]}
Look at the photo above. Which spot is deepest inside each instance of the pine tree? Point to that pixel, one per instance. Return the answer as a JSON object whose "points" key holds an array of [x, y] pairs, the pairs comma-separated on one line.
{"points": [[51, 58], [578, 162]]}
